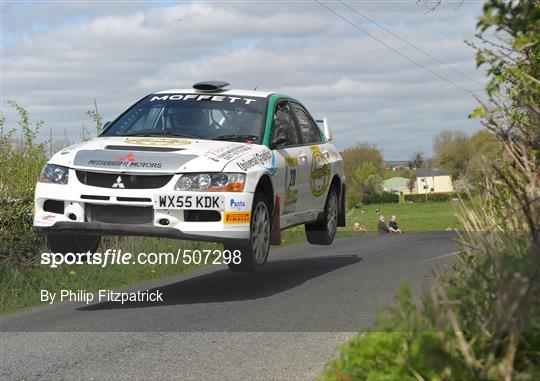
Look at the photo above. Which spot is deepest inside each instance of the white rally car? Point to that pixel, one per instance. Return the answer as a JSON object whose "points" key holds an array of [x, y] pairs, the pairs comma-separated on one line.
{"points": [[207, 163]]}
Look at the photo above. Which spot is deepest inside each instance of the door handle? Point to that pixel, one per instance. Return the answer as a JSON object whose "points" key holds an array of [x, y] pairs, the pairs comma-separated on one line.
{"points": [[303, 157], [326, 154]]}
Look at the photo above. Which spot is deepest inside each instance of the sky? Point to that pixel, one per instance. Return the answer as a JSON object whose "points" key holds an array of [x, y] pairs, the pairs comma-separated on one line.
{"points": [[57, 56]]}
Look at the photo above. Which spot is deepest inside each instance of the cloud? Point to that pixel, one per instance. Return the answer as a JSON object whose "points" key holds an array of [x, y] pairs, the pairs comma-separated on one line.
{"points": [[59, 56]]}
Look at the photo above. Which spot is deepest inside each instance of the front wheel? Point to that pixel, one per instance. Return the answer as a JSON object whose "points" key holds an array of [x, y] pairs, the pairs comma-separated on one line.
{"points": [[324, 231], [73, 243], [254, 252]]}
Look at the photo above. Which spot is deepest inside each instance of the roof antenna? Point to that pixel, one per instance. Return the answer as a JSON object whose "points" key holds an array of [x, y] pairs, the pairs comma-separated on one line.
{"points": [[255, 88]]}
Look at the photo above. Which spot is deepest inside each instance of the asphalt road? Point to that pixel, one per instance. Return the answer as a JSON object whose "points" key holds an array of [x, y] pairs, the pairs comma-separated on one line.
{"points": [[285, 323]]}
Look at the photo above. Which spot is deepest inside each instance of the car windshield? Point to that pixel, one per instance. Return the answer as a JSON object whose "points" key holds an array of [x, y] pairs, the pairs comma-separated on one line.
{"points": [[197, 116]]}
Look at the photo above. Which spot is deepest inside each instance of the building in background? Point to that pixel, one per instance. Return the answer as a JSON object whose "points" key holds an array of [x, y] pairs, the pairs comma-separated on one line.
{"points": [[433, 181], [396, 165], [398, 185]]}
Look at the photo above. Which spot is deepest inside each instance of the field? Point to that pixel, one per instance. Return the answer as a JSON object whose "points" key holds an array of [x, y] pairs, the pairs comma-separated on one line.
{"points": [[430, 216]]}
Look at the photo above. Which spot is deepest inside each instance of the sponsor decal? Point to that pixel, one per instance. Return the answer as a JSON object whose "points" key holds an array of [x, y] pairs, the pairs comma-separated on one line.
{"points": [[291, 161], [236, 217], [198, 98], [266, 159], [320, 173], [157, 141], [291, 185], [228, 152], [237, 204], [130, 158], [248, 162], [314, 148], [125, 160]]}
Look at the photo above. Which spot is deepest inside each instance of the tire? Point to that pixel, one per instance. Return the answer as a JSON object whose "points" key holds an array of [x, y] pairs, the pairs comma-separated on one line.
{"points": [[254, 252], [73, 243], [324, 231]]}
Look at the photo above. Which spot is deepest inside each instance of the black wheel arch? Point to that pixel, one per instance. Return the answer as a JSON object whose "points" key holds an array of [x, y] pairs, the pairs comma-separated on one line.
{"points": [[265, 187], [340, 188]]}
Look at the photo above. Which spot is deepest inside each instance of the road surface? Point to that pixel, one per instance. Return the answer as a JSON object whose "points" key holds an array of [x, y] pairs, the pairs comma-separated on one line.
{"points": [[285, 323]]}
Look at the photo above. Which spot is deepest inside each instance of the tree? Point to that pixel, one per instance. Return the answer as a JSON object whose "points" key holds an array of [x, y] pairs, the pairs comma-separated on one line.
{"points": [[411, 184], [360, 162], [418, 160], [96, 117], [373, 185]]}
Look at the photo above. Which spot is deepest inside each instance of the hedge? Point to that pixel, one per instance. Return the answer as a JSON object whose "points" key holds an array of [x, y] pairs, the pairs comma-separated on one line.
{"points": [[433, 197], [382, 198]]}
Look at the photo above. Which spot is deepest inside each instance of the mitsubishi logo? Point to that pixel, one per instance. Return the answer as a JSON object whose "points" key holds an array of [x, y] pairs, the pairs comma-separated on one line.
{"points": [[130, 158], [118, 183]]}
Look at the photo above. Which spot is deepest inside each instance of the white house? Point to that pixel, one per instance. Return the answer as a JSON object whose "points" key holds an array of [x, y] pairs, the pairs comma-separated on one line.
{"points": [[433, 181]]}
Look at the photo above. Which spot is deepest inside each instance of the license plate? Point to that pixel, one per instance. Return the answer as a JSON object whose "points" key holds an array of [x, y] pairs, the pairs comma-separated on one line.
{"points": [[193, 201]]}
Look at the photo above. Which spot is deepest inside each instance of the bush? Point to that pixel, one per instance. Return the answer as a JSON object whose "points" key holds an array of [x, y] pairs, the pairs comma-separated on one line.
{"points": [[433, 197], [381, 198], [20, 163], [17, 241], [482, 320]]}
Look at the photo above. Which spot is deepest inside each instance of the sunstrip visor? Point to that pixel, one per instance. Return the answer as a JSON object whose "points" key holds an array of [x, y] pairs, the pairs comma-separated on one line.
{"points": [[130, 161]]}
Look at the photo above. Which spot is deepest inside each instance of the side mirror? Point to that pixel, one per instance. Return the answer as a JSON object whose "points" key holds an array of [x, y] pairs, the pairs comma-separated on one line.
{"points": [[326, 128], [281, 137]]}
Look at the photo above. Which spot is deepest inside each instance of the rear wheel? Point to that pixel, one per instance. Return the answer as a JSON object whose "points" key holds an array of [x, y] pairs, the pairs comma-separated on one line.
{"points": [[324, 231], [73, 243], [254, 252]]}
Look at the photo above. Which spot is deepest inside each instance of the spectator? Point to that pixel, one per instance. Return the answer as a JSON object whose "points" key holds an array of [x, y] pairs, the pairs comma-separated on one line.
{"points": [[359, 228], [393, 226], [381, 226]]}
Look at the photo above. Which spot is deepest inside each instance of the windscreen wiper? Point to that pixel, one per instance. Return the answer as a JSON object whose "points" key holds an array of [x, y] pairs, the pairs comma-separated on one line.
{"points": [[145, 133], [157, 133], [235, 137]]}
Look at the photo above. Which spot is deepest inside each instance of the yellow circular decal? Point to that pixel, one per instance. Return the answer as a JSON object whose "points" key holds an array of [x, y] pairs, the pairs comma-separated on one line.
{"points": [[157, 141], [320, 173]]}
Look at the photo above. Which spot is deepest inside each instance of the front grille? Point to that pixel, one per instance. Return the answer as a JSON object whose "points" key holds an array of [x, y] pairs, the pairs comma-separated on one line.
{"points": [[92, 197], [191, 215], [119, 214], [122, 181]]}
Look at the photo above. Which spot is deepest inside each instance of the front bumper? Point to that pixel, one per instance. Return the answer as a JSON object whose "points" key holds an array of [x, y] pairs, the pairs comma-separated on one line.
{"points": [[73, 216], [99, 228]]}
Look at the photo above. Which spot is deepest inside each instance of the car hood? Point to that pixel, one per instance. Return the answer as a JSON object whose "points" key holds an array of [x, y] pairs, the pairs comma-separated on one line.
{"points": [[152, 154]]}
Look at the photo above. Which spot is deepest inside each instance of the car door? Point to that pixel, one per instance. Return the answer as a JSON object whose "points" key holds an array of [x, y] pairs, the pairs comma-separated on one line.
{"points": [[318, 159], [292, 160]]}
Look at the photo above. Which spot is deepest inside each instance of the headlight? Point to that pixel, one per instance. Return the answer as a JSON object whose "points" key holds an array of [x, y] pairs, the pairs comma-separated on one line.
{"points": [[224, 182], [55, 174]]}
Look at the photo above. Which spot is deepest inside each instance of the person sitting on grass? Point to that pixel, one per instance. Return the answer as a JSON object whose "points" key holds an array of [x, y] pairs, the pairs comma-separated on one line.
{"points": [[393, 226], [381, 226], [359, 228]]}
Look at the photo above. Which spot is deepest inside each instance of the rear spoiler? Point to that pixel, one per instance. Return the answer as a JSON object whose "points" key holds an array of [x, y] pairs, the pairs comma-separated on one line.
{"points": [[326, 128]]}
